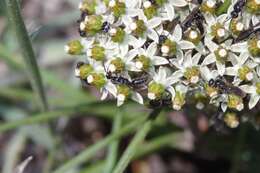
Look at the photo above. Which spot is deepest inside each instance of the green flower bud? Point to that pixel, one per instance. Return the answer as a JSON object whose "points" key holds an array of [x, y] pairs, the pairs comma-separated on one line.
{"points": [[178, 101], [193, 36], [142, 63], [118, 35], [218, 31], [117, 65], [98, 53], [118, 8], [160, 2], [253, 6], [150, 12], [221, 55], [231, 120], [169, 48], [123, 90], [140, 28], [235, 102], [88, 6], [85, 70], [192, 74], [155, 90], [97, 79], [92, 25], [236, 27], [254, 47], [74, 47], [245, 73], [208, 7], [258, 88], [210, 91]]}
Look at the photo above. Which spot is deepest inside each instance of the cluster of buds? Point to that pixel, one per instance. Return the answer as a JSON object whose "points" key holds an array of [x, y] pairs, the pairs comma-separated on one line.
{"points": [[159, 51]]}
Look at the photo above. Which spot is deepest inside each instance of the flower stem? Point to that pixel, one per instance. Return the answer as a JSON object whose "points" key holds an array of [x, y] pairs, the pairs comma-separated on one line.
{"points": [[224, 7], [24, 42], [91, 151]]}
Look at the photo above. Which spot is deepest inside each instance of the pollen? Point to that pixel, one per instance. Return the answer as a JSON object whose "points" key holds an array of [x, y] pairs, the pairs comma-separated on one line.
{"points": [[147, 4], [221, 32]]}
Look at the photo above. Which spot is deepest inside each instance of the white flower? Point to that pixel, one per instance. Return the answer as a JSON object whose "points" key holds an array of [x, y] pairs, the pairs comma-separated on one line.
{"points": [[254, 96], [149, 53], [176, 37]]}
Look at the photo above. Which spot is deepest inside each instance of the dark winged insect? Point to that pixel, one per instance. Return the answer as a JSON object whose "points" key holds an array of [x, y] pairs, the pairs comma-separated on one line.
{"points": [[105, 27], [238, 7], [224, 87], [162, 39], [195, 17], [247, 33], [117, 79], [166, 100]]}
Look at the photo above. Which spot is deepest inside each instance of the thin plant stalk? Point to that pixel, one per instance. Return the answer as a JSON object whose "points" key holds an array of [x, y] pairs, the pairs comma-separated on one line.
{"points": [[91, 151], [113, 147], [224, 7], [23, 39]]}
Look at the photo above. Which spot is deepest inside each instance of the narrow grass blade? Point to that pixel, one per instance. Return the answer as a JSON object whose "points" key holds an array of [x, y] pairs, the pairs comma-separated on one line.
{"points": [[91, 151], [23, 39], [224, 7], [132, 148], [113, 147]]}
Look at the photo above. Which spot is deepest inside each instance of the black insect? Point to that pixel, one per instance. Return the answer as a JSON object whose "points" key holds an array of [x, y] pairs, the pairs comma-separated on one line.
{"points": [[238, 7], [247, 33], [82, 18], [136, 82], [79, 64], [194, 18], [105, 27], [162, 39], [118, 80], [152, 1], [226, 88], [166, 100]]}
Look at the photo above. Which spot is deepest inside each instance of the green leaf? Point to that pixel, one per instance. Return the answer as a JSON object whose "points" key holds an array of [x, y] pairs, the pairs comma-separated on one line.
{"points": [[113, 147], [23, 39], [224, 7], [91, 151], [132, 148]]}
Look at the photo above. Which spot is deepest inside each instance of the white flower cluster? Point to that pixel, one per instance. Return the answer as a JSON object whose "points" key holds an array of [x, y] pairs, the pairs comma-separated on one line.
{"points": [[161, 50]]}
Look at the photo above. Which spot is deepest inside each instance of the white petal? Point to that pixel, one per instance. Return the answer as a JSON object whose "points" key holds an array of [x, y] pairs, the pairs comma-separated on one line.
{"points": [[243, 57], [239, 47], [157, 60], [196, 58], [210, 44], [211, 58], [120, 102], [186, 45], [177, 34], [205, 73], [170, 11], [253, 101], [151, 50], [153, 35], [248, 89], [131, 55], [179, 3], [231, 71], [221, 68], [171, 90], [154, 22], [137, 97], [104, 94], [111, 88]]}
